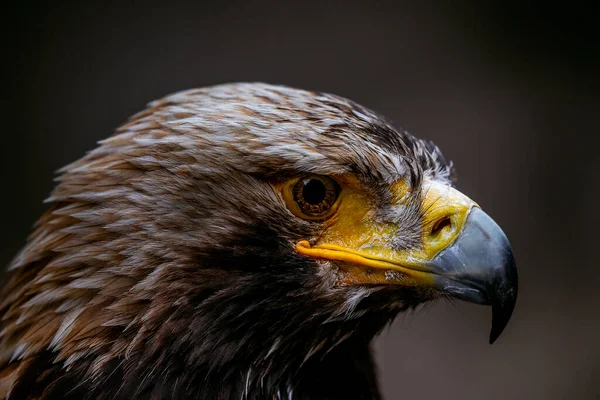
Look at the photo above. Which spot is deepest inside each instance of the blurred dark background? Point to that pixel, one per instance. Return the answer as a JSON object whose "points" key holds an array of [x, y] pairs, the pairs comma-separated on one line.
{"points": [[509, 92]]}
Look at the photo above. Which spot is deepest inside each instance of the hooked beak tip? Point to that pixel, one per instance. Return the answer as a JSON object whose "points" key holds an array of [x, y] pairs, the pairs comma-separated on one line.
{"points": [[480, 267]]}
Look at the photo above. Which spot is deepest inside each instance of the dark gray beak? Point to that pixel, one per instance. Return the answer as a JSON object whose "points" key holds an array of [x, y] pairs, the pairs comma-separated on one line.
{"points": [[479, 267]]}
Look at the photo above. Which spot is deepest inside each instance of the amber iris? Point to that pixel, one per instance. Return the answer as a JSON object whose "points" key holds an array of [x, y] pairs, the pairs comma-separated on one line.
{"points": [[315, 195]]}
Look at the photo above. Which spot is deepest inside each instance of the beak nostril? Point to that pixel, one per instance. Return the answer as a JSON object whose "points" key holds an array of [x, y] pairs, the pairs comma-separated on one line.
{"points": [[440, 225]]}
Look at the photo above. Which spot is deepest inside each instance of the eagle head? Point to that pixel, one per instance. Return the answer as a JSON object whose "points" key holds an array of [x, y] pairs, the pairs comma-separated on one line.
{"points": [[242, 240]]}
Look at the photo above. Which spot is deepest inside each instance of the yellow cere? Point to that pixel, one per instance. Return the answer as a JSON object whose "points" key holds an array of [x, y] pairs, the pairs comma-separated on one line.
{"points": [[355, 237]]}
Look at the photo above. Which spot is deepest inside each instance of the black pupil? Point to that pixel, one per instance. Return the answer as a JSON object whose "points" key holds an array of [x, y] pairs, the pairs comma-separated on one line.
{"points": [[314, 191]]}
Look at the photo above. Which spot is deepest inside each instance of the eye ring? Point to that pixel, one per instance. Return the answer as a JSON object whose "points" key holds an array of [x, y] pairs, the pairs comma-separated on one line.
{"points": [[312, 197]]}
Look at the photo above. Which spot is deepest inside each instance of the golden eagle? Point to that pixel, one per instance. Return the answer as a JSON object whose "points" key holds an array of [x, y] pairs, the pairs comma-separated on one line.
{"points": [[242, 241]]}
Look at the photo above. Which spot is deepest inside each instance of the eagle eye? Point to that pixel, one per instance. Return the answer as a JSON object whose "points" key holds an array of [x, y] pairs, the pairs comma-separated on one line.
{"points": [[312, 197]]}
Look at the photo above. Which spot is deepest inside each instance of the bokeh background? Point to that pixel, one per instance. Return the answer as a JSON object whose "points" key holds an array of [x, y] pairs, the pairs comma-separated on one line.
{"points": [[509, 92]]}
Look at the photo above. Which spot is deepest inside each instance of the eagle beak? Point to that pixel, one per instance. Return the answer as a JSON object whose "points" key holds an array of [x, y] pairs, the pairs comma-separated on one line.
{"points": [[463, 252], [479, 267]]}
